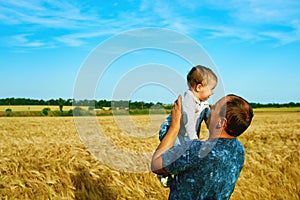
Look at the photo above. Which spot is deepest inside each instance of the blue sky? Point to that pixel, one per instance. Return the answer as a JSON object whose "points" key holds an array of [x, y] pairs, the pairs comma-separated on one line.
{"points": [[254, 45]]}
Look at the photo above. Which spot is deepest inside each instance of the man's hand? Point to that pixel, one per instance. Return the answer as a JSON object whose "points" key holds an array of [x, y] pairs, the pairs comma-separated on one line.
{"points": [[176, 114]]}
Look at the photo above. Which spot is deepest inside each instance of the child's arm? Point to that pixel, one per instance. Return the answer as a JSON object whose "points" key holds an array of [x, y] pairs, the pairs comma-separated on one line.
{"points": [[164, 127]]}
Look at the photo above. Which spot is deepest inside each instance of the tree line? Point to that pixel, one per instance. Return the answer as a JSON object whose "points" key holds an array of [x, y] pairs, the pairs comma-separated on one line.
{"points": [[274, 105], [116, 103], [120, 104]]}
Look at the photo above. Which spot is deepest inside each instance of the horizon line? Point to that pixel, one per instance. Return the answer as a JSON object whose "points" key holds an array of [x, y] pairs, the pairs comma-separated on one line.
{"points": [[36, 99]]}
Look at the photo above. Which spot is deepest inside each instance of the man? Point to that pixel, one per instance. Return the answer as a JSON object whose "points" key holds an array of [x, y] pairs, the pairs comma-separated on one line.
{"points": [[205, 169]]}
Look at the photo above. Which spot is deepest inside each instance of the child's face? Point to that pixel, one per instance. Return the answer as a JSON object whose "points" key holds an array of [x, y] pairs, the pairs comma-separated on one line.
{"points": [[205, 91]]}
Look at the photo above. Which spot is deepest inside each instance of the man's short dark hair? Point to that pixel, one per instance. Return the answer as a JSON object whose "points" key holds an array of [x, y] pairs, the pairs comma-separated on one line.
{"points": [[238, 113]]}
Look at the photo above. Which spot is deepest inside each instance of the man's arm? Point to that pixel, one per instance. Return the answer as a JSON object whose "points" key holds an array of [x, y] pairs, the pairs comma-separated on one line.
{"points": [[168, 141]]}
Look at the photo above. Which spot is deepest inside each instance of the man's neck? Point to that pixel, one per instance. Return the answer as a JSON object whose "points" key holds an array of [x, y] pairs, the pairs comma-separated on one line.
{"points": [[223, 134]]}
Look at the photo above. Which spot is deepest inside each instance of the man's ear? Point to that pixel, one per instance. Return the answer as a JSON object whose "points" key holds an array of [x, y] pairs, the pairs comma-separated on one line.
{"points": [[222, 123]]}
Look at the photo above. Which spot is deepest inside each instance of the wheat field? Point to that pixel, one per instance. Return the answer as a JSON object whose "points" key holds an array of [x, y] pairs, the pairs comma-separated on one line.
{"points": [[44, 158]]}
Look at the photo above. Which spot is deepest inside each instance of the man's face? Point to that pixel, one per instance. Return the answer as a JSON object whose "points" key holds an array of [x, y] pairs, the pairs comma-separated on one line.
{"points": [[214, 120]]}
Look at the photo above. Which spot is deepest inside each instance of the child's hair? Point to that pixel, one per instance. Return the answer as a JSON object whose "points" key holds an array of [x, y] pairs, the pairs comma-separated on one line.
{"points": [[200, 75]]}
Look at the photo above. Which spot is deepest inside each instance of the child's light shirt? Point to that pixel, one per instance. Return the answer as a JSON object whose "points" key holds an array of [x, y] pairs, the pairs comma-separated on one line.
{"points": [[191, 110], [193, 113]]}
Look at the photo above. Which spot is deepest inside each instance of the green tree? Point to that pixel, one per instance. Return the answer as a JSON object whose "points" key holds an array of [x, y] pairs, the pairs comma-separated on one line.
{"points": [[61, 103], [46, 111], [8, 112]]}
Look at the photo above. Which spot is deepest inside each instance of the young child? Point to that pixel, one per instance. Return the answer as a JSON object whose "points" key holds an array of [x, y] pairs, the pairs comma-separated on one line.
{"points": [[195, 108]]}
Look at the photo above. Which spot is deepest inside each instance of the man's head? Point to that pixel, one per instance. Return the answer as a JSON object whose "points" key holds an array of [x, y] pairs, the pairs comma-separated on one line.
{"points": [[231, 114]]}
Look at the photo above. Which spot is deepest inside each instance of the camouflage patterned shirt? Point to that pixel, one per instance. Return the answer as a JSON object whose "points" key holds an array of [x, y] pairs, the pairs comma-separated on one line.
{"points": [[204, 169]]}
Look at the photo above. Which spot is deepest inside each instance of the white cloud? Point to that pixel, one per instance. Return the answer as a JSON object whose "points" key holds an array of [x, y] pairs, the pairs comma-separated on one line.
{"points": [[254, 20], [81, 38], [284, 37], [70, 40], [34, 44], [51, 14], [268, 11], [23, 40], [76, 23]]}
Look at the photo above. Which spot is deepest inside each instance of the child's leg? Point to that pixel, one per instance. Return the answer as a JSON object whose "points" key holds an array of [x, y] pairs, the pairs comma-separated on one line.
{"points": [[164, 127]]}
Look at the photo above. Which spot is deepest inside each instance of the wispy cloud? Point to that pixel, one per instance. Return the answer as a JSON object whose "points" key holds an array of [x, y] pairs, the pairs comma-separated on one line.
{"points": [[22, 40], [51, 14], [259, 20], [251, 20], [78, 39], [268, 11], [284, 37], [54, 23]]}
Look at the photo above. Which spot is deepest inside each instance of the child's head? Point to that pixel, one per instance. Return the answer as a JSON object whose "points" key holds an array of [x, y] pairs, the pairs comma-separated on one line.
{"points": [[202, 81]]}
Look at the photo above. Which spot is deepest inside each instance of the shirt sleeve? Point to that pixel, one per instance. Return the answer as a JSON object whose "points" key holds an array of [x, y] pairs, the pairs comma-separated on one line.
{"points": [[189, 117]]}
